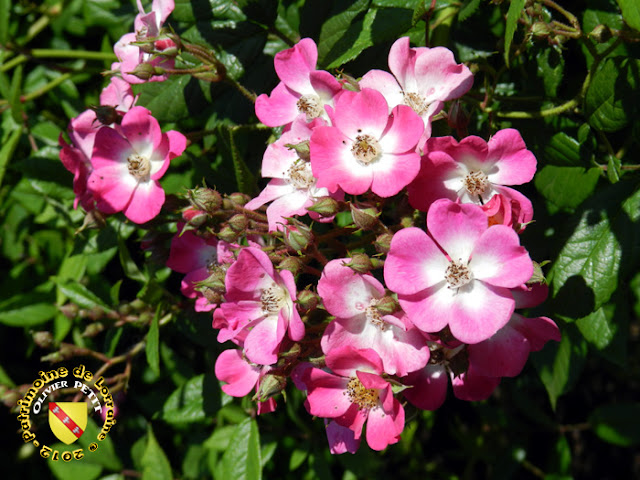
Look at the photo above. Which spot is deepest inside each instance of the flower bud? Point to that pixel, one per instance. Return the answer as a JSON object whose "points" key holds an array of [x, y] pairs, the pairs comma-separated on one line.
{"points": [[383, 243], [92, 220], [270, 385], [93, 329], [238, 223], [293, 264], [215, 280], [205, 199], [302, 149], [212, 297], [228, 234], [538, 274], [540, 29], [365, 218], [307, 300], [360, 263], [387, 305], [239, 199], [144, 71], [325, 206], [43, 339], [601, 34], [297, 236], [458, 117], [193, 218]]}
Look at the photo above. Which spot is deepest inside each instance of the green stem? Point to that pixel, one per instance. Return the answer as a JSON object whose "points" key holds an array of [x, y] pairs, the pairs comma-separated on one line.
{"points": [[83, 54], [542, 113], [246, 93], [14, 62], [49, 86]]}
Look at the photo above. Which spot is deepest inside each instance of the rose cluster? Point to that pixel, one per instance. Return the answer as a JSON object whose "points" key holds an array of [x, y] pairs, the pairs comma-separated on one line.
{"points": [[406, 275], [368, 313]]}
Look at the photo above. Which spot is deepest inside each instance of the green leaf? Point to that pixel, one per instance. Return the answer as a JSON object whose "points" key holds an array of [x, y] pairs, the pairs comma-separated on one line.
{"points": [[559, 365], [198, 399], [244, 178], [610, 101], [75, 469], [551, 69], [7, 151], [630, 12], [563, 150], [469, 8], [28, 316], [566, 187], [81, 295], [515, 10], [599, 328], [155, 464], [152, 349], [241, 461], [298, 456], [617, 423], [5, 14], [339, 32], [174, 99], [586, 272], [613, 169], [130, 268]]}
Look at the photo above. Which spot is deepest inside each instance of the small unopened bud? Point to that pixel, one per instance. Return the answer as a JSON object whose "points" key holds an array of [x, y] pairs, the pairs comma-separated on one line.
{"points": [[601, 34], [144, 71], [365, 218], [538, 274], [208, 76], [238, 223], [70, 310], [205, 199], [293, 264], [383, 243], [297, 236], [43, 339], [360, 263], [387, 305], [215, 280], [228, 234], [540, 29], [239, 199], [270, 385], [93, 329], [348, 82], [302, 149], [307, 300], [166, 46], [325, 206], [93, 220], [194, 218], [212, 297]]}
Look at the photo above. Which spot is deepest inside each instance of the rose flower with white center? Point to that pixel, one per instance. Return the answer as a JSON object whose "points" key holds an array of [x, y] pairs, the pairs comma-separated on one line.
{"points": [[474, 171], [128, 162], [460, 274]]}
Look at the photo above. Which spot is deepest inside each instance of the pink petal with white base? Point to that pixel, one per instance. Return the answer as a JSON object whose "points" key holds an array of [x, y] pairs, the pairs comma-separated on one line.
{"points": [[456, 227], [515, 164], [294, 64], [499, 259], [263, 340], [361, 113], [341, 439], [414, 262], [146, 202], [240, 376], [279, 108], [538, 330], [384, 427]]}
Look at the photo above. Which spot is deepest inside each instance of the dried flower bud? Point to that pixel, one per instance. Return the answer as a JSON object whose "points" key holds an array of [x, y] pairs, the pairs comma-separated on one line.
{"points": [[540, 29], [325, 206], [144, 71], [365, 218], [92, 220], [458, 117]]}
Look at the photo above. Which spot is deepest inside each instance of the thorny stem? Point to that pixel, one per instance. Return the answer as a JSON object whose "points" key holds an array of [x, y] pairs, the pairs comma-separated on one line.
{"points": [[568, 15]]}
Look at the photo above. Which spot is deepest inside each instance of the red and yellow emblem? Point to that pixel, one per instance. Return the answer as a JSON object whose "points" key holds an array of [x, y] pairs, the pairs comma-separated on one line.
{"points": [[67, 420]]}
